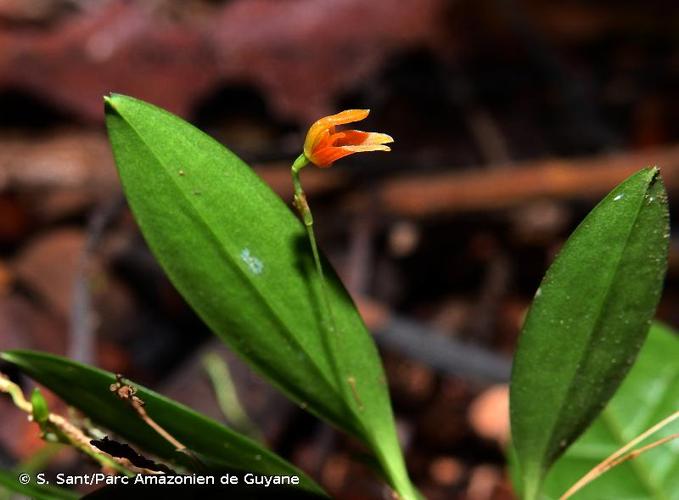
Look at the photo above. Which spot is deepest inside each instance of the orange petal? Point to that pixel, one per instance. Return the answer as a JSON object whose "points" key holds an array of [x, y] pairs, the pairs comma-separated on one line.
{"points": [[344, 117], [358, 137], [376, 138], [312, 143], [349, 137], [328, 123], [366, 147], [326, 156]]}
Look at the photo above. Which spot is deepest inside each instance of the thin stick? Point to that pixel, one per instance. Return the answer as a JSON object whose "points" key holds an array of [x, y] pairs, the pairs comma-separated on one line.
{"points": [[612, 460], [127, 392], [631, 455], [644, 449]]}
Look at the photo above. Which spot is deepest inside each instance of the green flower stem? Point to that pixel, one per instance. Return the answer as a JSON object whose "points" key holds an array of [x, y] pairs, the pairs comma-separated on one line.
{"points": [[302, 207], [404, 490]]}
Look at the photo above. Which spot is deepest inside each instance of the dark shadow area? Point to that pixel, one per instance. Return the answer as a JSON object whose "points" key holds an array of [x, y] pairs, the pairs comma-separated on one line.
{"points": [[24, 110], [239, 117]]}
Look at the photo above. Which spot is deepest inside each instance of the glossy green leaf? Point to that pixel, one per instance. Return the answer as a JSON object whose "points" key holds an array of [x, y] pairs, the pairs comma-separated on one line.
{"points": [[9, 480], [588, 320], [649, 394], [241, 259], [88, 389]]}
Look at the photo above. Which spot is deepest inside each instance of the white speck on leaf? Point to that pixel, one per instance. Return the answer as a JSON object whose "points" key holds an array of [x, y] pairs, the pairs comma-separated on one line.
{"points": [[255, 265], [619, 197]]}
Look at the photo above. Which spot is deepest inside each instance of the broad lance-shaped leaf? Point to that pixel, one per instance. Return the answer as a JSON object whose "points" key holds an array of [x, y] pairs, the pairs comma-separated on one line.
{"points": [[588, 320], [9, 480], [241, 259], [649, 394], [217, 447]]}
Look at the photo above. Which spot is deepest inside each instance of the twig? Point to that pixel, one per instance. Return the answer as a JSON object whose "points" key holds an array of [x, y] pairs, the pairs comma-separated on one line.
{"points": [[444, 354], [449, 192], [127, 393], [618, 458], [644, 449]]}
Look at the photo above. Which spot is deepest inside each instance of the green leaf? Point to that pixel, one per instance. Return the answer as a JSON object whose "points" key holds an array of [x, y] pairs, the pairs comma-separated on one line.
{"points": [[242, 261], [649, 393], [10, 481], [588, 320], [88, 389]]}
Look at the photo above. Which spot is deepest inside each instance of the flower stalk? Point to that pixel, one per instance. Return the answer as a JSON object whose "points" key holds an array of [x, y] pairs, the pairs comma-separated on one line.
{"points": [[323, 146], [302, 206]]}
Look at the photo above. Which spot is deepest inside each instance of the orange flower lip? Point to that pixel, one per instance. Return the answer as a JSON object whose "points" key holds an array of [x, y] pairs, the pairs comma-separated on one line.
{"points": [[324, 145]]}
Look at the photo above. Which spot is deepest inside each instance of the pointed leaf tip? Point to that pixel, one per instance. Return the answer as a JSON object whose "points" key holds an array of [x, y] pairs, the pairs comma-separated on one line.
{"points": [[588, 322]]}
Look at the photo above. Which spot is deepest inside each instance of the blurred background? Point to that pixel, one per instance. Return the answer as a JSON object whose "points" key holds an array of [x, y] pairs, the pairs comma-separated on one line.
{"points": [[512, 118]]}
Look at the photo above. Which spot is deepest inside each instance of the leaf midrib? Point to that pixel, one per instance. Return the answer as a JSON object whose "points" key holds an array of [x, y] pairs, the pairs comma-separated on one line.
{"points": [[289, 335], [590, 338], [350, 420]]}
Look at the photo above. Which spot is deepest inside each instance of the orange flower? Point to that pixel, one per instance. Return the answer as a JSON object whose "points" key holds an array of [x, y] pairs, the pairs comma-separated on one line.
{"points": [[324, 145]]}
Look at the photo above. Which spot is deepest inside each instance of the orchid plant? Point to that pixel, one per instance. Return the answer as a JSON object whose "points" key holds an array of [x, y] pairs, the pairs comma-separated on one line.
{"points": [[232, 248]]}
